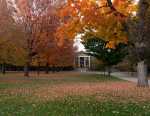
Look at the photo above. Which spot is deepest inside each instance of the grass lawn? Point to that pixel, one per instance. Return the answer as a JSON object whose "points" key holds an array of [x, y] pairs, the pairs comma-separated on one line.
{"points": [[71, 94]]}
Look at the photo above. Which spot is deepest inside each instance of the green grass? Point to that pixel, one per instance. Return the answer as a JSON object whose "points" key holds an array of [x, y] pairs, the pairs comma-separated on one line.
{"points": [[72, 106], [23, 104]]}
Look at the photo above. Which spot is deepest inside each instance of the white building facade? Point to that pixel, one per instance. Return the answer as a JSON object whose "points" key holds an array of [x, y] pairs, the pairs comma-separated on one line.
{"points": [[83, 61]]}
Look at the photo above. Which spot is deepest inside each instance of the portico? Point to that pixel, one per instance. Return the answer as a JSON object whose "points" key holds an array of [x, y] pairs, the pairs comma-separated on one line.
{"points": [[83, 61]]}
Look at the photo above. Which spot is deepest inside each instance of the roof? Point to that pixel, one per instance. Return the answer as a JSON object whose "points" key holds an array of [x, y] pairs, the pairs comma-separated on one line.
{"points": [[82, 53]]}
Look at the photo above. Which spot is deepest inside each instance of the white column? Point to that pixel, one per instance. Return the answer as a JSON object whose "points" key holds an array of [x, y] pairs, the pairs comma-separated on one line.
{"points": [[84, 62], [89, 62], [78, 61]]}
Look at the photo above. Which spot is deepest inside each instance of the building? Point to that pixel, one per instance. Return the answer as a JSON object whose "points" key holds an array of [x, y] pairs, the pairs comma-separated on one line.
{"points": [[83, 61]]}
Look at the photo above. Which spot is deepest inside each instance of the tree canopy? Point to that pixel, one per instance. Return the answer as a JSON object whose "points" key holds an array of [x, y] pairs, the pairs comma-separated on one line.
{"points": [[110, 56]]}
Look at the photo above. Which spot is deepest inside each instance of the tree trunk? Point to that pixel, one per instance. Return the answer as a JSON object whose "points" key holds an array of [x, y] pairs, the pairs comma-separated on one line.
{"points": [[142, 74], [4, 68], [26, 69], [47, 68], [53, 69], [109, 70], [38, 69], [142, 68], [104, 71]]}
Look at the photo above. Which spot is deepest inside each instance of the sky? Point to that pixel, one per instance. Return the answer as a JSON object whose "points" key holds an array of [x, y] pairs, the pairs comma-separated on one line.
{"points": [[78, 43]]}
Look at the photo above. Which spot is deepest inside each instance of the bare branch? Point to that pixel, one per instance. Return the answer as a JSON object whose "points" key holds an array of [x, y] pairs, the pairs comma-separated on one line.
{"points": [[116, 12]]}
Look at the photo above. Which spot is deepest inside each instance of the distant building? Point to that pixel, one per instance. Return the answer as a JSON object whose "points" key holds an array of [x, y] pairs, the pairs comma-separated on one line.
{"points": [[83, 60]]}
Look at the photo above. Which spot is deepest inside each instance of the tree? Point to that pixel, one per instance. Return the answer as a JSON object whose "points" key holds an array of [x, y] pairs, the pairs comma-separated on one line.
{"points": [[139, 40], [105, 51], [58, 56], [66, 54], [6, 22], [30, 14], [97, 17], [50, 47], [10, 51], [140, 29]]}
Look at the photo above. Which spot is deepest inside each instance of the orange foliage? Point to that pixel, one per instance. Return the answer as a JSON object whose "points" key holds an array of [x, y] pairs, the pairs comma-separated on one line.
{"points": [[40, 22], [95, 17], [111, 44]]}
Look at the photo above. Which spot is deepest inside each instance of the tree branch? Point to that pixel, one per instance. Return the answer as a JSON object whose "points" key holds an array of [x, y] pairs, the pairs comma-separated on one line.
{"points": [[116, 12]]}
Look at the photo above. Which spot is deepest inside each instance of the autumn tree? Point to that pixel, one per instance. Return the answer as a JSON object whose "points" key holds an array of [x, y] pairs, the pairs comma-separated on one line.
{"points": [[49, 48], [94, 16], [4, 14], [54, 55], [139, 40], [6, 22], [48, 42], [66, 54], [10, 51], [138, 36], [140, 29], [39, 23], [30, 15]]}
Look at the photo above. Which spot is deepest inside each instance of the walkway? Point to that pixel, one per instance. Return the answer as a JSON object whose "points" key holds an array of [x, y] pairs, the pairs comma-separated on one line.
{"points": [[123, 76]]}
